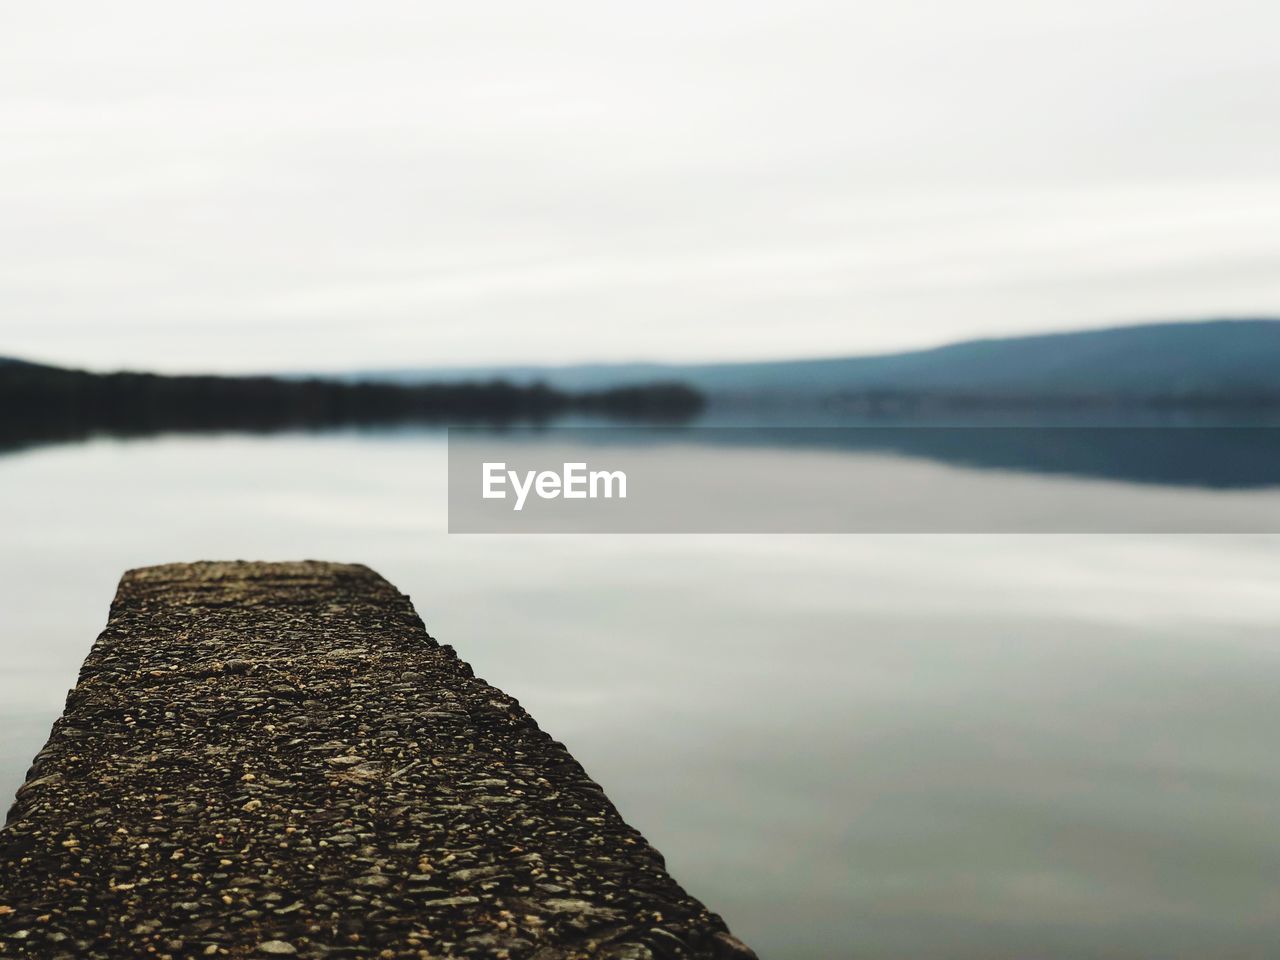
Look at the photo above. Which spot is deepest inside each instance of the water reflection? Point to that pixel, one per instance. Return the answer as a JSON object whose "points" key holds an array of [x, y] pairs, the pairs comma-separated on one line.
{"points": [[873, 746]]}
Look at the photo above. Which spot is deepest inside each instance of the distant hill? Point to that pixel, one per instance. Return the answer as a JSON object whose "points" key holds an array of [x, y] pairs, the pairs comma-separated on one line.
{"points": [[1215, 358]]}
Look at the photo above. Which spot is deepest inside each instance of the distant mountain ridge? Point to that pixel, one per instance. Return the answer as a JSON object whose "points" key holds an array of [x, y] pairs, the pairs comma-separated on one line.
{"points": [[1205, 358]]}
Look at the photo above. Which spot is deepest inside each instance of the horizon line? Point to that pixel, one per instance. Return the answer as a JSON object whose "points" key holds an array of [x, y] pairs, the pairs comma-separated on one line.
{"points": [[722, 361]]}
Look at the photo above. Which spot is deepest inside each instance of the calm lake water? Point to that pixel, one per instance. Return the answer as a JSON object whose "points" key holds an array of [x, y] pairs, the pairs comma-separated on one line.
{"points": [[882, 746]]}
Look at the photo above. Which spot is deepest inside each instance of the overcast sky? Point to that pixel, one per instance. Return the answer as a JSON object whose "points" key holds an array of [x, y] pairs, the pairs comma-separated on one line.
{"points": [[304, 185]]}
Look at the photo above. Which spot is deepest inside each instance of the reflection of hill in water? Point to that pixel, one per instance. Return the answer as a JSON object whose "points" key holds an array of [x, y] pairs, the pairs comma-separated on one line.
{"points": [[1216, 457]]}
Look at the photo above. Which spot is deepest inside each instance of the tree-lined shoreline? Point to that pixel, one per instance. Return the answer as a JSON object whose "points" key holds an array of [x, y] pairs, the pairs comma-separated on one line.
{"points": [[42, 403]]}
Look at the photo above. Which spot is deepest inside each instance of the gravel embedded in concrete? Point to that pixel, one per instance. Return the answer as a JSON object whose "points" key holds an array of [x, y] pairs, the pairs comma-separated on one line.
{"points": [[276, 760]]}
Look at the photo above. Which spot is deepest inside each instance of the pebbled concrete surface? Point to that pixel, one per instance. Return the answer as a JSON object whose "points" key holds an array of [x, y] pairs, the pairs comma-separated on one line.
{"points": [[277, 760]]}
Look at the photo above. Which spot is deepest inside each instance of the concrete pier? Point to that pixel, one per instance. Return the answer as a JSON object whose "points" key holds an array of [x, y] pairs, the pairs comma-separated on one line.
{"points": [[277, 760]]}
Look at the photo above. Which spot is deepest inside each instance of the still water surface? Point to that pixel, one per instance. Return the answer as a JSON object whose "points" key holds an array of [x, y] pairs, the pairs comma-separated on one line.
{"points": [[851, 746]]}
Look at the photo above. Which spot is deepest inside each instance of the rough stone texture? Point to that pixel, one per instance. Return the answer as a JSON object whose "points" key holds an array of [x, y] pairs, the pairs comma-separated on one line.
{"points": [[276, 760]]}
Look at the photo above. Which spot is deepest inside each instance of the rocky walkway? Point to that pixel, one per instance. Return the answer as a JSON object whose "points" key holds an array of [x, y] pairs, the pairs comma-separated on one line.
{"points": [[276, 760]]}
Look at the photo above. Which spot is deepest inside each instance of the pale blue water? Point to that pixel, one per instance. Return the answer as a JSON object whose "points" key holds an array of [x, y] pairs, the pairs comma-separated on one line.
{"points": [[853, 746]]}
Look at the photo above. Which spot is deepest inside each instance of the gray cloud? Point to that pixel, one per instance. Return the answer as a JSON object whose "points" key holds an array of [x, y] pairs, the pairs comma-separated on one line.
{"points": [[318, 185]]}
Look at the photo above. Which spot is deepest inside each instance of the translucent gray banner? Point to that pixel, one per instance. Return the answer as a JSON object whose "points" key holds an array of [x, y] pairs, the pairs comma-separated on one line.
{"points": [[865, 480]]}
